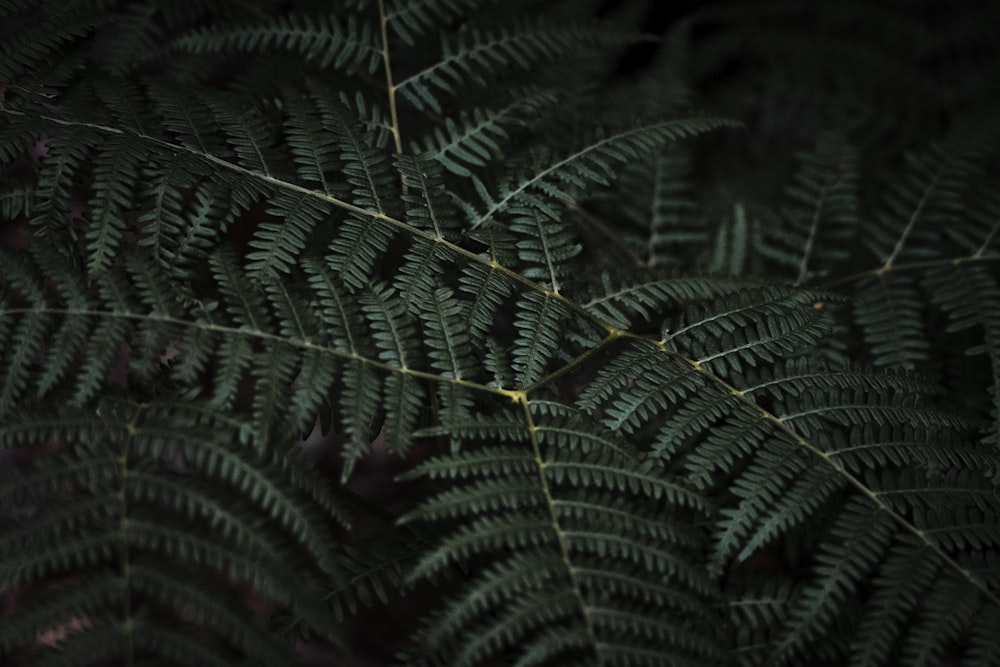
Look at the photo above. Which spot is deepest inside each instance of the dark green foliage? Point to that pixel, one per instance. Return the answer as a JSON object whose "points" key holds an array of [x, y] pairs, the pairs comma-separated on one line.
{"points": [[421, 316]]}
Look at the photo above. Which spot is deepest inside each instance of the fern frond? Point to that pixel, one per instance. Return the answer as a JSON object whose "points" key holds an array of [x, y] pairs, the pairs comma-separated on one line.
{"points": [[888, 308], [173, 491], [752, 327], [59, 172], [487, 288], [971, 297], [552, 556], [659, 211], [375, 572], [473, 55], [365, 163], [189, 119], [164, 222], [906, 576], [447, 337], [863, 534], [313, 150], [926, 197], [241, 327], [473, 139], [248, 308], [392, 332], [358, 244], [544, 246], [278, 245], [247, 132], [135, 34], [822, 214], [559, 178], [409, 20], [327, 40], [33, 41], [538, 322], [430, 209], [619, 295]]}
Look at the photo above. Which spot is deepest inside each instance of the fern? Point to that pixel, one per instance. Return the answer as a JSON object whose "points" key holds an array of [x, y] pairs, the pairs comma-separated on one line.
{"points": [[412, 332]]}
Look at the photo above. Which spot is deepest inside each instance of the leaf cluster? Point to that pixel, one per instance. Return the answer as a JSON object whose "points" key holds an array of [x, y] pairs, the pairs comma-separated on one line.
{"points": [[423, 316]]}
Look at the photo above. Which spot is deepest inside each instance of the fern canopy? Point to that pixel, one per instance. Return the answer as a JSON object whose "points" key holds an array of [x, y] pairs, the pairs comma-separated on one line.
{"points": [[418, 332]]}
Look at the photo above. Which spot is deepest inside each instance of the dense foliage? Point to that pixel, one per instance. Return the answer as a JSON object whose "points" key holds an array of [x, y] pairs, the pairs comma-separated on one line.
{"points": [[453, 332]]}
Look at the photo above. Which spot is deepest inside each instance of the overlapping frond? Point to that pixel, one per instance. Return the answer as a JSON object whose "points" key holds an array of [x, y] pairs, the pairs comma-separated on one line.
{"points": [[560, 177], [579, 562], [410, 20], [820, 219], [328, 41], [145, 479], [476, 55], [473, 139], [304, 309]]}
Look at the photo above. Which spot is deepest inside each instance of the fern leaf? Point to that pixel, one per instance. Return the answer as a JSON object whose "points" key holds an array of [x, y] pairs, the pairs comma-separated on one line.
{"points": [[547, 555], [366, 165], [277, 245], [376, 573], [116, 172], [410, 20], [313, 150], [248, 309], [488, 288], [821, 215], [749, 328], [618, 296], [590, 164], [247, 132], [273, 373], [864, 535], [26, 340], [358, 244], [189, 119], [925, 197], [449, 342], [888, 310], [545, 246], [392, 330], [164, 205], [66, 342], [538, 320], [328, 41], [184, 478], [473, 53], [474, 139], [28, 54], [68, 152], [971, 297], [235, 354], [659, 209], [362, 403], [428, 208]]}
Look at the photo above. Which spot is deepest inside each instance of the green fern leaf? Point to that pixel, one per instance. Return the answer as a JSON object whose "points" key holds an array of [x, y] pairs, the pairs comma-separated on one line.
{"points": [[888, 308], [538, 322], [472, 141], [116, 172], [588, 165], [277, 245], [410, 20], [328, 41], [473, 52], [551, 554]]}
